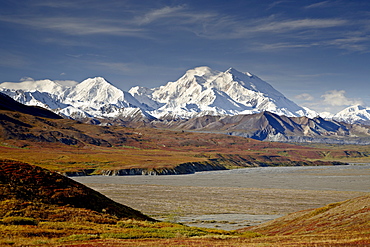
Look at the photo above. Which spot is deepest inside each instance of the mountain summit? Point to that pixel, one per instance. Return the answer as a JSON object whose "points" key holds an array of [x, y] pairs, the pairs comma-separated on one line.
{"points": [[203, 91], [354, 114]]}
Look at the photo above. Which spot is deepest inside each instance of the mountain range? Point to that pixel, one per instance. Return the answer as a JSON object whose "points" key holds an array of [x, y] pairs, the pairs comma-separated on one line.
{"points": [[200, 91], [202, 99]]}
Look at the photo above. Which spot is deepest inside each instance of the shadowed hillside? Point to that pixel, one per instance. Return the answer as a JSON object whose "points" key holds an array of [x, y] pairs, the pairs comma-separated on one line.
{"points": [[8, 104], [29, 184]]}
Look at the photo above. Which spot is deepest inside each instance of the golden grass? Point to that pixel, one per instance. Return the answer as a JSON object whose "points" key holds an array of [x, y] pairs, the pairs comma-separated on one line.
{"points": [[344, 222], [74, 159]]}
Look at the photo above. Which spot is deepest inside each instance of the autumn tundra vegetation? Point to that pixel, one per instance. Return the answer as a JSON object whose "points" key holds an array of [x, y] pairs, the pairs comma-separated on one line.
{"points": [[40, 205]]}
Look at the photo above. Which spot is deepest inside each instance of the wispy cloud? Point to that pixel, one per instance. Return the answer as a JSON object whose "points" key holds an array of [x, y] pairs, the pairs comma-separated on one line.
{"points": [[280, 46], [353, 43], [305, 97], [338, 98], [227, 27], [289, 25], [317, 75], [59, 4], [157, 14], [318, 5], [276, 3], [262, 34], [75, 25]]}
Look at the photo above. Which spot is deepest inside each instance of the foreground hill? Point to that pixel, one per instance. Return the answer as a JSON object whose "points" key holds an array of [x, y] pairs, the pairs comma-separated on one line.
{"points": [[39, 207], [34, 188], [346, 221]]}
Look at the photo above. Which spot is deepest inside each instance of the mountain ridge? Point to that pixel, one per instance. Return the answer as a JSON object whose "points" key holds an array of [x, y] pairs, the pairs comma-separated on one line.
{"points": [[200, 91], [267, 126]]}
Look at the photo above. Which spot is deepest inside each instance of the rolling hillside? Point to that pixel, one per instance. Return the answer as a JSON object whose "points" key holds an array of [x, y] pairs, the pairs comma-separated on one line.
{"points": [[30, 189], [344, 223]]}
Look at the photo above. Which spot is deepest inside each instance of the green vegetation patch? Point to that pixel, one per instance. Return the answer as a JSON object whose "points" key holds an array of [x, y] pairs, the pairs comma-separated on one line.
{"points": [[79, 237], [132, 229], [17, 220], [324, 209]]}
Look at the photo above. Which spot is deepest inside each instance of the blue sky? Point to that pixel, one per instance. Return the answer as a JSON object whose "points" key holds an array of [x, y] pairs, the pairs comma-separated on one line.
{"points": [[314, 52]]}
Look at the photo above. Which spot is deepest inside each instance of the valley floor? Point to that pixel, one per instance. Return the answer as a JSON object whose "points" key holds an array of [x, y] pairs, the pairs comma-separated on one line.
{"points": [[257, 191]]}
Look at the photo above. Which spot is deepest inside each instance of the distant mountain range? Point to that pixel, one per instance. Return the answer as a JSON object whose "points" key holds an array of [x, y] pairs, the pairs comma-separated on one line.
{"points": [[267, 126], [202, 99]]}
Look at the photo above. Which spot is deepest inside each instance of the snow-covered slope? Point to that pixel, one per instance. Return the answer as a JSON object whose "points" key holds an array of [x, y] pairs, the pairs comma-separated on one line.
{"points": [[94, 97], [30, 85], [353, 114], [203, 91], [200, 91]]}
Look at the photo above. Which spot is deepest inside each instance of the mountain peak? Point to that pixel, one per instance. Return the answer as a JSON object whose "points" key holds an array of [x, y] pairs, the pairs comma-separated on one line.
{"points": [[202, 71], [94, 81], [353, 114]]}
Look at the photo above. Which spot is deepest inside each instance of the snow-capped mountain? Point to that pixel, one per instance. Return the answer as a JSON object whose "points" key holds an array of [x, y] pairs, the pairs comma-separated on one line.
{"points": [[200, 91], [353, 114], [94, 97], [203, 91]]}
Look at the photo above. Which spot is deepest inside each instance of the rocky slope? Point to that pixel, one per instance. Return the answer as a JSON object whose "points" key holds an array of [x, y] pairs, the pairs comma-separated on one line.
{"points": [[268, 126]]}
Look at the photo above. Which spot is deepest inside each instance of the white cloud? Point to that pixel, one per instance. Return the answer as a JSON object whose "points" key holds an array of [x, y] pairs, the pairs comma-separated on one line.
{"points": [[68, 83], [268, 33], [288, 25], [161, 13], [26, 78], [356, 42], [304, 96], [76, 25], [318, 5], [338, 98]]}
